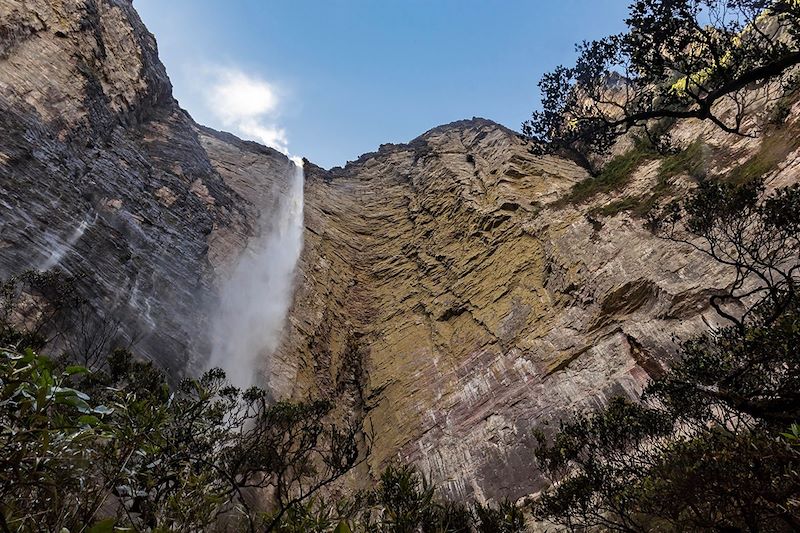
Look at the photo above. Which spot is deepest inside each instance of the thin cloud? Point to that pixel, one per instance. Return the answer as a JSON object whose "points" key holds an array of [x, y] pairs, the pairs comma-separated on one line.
{"points": [[247, 105], [268, 135]]}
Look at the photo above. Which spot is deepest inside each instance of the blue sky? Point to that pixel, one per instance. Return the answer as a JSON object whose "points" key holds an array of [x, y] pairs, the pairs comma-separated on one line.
{"points": [[332, 79]]}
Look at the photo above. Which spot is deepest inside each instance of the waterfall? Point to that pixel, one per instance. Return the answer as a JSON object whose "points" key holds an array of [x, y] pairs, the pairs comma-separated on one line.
{"points": [[61, 247], [256, 298]]}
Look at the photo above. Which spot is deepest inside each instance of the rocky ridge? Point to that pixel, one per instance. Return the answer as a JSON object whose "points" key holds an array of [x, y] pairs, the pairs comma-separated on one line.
{"points": [[442, 278]]}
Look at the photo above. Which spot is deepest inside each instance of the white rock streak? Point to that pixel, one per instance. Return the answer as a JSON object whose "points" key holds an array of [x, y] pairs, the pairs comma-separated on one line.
{"points": [[256, 298]]}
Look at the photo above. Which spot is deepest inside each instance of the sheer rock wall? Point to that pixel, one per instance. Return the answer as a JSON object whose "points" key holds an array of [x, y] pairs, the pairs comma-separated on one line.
{"points": [[103, 176], [468, 311]]}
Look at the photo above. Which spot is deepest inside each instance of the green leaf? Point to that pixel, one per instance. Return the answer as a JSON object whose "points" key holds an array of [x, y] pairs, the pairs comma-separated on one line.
{"points": [[61, 392], [76, 369], [76, 402], [29, 356], [88, 420]]}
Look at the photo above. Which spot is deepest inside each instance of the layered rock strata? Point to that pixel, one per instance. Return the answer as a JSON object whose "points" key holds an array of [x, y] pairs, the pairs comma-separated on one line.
{"points": [[470, 311], [103, 176]]}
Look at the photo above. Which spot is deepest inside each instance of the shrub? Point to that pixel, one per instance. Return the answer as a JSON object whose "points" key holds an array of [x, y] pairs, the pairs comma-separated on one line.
{"points": [[119, 447], [616, 174], [690, 161]]}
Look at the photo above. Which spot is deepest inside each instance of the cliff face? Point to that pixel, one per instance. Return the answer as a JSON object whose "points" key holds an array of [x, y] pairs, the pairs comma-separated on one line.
{"points": [[448, 291], [455, 292], [469, 312], [104, 176]]}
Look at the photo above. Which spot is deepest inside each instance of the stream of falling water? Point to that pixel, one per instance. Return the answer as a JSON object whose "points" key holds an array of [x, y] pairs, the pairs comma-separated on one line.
{"points": [[255, 300], [61, 248]]}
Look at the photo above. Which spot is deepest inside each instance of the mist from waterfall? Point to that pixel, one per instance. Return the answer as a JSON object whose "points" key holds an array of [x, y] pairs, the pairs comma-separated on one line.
{"points": [[256, 298], [60, 248]]}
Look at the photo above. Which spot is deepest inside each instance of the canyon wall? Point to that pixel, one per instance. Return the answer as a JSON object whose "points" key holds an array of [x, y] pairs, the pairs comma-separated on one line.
{"points": [[448, 291], [449, 294], [104, 177]]}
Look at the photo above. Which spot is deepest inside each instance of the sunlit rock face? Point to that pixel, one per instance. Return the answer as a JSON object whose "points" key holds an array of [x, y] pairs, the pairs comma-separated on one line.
{"points": [[439, 292], [103, 176], [468, 312], [443, 295]]}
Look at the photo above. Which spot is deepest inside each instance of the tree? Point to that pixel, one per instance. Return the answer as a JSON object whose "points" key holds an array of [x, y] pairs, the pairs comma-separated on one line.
{"points": [[678, 59], [711, 444], [405, 501], [758, 237], [46, 443], [119, 447]]}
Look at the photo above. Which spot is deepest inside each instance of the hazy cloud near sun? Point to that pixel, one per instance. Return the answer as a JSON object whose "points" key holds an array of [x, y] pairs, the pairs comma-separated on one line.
{"points": [[245, 104]]}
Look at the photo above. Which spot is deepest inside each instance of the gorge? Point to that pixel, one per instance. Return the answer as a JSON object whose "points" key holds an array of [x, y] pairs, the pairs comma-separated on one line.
{"points": [[449, 291]]}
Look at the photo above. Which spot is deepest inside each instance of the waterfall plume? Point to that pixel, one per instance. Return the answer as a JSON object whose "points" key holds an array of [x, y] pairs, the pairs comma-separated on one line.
{"points": [[255, 299]]}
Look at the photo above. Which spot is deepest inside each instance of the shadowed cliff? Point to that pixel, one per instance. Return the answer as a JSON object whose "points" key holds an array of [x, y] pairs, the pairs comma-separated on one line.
{"points": [[103, 176]]}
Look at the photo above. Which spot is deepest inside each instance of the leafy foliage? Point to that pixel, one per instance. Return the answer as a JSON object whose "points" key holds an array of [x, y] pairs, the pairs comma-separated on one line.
{"points": [[678, 59], [505, 518], [774, 149], [757, 237], [48, 432], [406, 503], [118, 446], [614, 176], [711, 444], [619, 171]]}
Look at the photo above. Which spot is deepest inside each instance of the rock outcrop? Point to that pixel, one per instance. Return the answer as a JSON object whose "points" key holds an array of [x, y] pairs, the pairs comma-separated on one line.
{"points": [[447, 292]]}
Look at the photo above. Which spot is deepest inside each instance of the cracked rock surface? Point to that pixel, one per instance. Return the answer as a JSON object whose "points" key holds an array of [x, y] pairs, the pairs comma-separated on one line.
{"points": [[471, 310]]}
